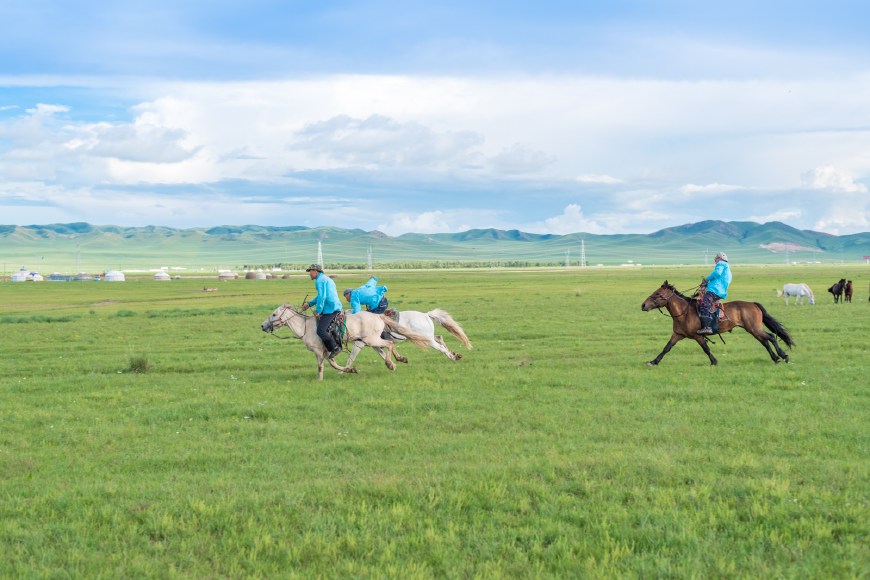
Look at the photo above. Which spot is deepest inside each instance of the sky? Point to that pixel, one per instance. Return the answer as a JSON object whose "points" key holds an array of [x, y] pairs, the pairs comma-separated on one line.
{"points": [[435, 117]]}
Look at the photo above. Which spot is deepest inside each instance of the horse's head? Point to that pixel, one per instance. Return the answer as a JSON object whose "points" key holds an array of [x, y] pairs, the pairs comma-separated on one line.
{"points": [[660, 297], [278, 318]]}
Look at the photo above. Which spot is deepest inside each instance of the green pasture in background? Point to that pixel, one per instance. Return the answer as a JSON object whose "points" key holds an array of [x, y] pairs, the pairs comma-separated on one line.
{"points": [[151, 429]]}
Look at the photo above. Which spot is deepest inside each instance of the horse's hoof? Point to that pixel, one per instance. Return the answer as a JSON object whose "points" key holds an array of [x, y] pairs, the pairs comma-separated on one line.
{"points": [[456, 356], [402, 359], [651, 364]]}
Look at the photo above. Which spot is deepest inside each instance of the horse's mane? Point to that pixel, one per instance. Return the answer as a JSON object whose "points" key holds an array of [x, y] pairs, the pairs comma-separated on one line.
{"points": [[689, 299]]}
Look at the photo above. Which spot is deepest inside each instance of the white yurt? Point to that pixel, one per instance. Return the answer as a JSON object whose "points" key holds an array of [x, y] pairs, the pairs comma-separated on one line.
{"points": [[161, 275], [20, 276], [226, 275], [115, 276]]}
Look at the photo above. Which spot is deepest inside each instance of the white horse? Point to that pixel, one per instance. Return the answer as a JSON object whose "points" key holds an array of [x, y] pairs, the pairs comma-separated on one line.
{"points": [[424, 323], [363, 329], [798, 291]]}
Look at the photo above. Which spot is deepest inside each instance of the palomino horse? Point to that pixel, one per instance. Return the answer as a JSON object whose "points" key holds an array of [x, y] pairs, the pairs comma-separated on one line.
{"points": [[424, 323], [798, 291], [363, 329], [684, 312]]}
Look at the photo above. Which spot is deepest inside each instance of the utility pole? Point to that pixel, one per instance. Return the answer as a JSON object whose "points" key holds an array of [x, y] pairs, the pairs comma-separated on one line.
{"points": [[568, 258], [369, 262], [319, 254], [583, 253]]}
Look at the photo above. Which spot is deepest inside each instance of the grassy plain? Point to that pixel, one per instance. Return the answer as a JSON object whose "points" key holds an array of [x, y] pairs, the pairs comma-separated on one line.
{"points": [[550, 450]]}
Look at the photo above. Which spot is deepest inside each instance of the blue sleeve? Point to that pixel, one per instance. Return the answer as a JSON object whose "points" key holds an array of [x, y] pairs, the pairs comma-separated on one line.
{"points": [[321, 295], [354, 303]]}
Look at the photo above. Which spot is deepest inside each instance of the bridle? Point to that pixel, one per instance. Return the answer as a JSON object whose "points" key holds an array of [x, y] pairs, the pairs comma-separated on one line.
{"points": [[287, 311], [674, 293]]}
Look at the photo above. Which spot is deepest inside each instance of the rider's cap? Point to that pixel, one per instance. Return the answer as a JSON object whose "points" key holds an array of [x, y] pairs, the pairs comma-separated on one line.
{"points": [[347, 291], [722, 256], [317, 267]]}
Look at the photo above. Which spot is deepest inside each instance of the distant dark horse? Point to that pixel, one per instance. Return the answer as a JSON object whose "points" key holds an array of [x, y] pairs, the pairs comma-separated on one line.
{"points": [[847, 292], [837, 289], [748, 315]]}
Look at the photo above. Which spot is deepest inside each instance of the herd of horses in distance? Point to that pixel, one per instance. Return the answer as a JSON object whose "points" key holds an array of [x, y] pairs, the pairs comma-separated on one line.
{"points": [[367, 329]]}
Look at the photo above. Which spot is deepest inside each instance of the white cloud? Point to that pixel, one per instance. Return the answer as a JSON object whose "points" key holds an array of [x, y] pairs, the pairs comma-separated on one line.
{"points": [[604, 179], [571, 134], [711, 188], [379, 141], [439, 221], [570, 221], [519, 159], [827, 177]]}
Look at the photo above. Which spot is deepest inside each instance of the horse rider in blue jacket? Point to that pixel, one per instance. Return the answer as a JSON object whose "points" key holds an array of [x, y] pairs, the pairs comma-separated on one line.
{"points": [[326, 306], [716, 288], [370, 295]]}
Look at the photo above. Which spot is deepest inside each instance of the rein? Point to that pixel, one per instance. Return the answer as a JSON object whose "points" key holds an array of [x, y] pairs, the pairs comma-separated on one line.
{"points": [[283, 321], [675, 292]]}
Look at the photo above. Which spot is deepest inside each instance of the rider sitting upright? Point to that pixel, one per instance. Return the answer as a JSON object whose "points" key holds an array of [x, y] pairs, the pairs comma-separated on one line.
{"points": [[716, 285]]}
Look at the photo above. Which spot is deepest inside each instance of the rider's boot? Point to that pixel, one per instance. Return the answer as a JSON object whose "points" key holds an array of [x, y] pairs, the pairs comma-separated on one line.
{"points": [[706, 324]]}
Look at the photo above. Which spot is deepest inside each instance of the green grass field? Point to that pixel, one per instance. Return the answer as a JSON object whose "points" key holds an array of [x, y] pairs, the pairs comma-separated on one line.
{"points": [[150, 429]]}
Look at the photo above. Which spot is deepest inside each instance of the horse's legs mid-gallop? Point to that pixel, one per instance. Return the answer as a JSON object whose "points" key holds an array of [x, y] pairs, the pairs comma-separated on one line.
{"points": [[675, 338], [768, 339], [319, 356], [395, 353], [358, 345], [439, 345], [702, 340]]}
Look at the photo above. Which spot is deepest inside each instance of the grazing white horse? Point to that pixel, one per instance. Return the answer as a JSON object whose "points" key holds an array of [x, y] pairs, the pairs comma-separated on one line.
{"points": [[363, 329], [798, 291], [424, 323]]}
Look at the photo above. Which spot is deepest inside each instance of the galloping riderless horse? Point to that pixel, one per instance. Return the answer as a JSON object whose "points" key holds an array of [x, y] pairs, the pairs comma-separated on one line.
{"points": [[748, 315]]}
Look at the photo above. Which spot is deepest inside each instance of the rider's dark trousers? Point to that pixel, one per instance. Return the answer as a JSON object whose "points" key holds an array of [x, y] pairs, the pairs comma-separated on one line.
{"points": [[323, 330], [705, 310], [382, 307]]}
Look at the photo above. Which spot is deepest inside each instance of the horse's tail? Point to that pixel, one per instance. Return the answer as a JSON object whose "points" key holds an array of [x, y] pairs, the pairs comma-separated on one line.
{"points": [[417, 340], [445, 320], [775, 326]]}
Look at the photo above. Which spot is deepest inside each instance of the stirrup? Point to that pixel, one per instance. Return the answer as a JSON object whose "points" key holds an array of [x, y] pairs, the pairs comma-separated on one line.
{"points": [[706, 330]]}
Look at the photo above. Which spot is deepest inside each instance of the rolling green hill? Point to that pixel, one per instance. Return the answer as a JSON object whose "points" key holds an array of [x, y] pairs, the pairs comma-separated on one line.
{"points": [[70, 248]]}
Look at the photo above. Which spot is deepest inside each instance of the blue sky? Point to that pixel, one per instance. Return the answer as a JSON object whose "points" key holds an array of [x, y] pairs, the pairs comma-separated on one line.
{"points": [[551, 117]]}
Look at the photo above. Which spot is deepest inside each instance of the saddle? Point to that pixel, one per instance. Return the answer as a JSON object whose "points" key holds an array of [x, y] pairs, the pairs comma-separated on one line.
{"points": [[338, 329], [392, 313]]}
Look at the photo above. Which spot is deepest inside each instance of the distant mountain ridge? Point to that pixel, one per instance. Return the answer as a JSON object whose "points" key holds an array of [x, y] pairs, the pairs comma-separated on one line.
{"points": [[233, 246]]}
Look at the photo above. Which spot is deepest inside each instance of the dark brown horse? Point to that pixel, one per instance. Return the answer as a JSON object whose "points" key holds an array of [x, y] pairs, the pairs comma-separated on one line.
{"points": [[838, 289], [748, 315], [847, 291]]}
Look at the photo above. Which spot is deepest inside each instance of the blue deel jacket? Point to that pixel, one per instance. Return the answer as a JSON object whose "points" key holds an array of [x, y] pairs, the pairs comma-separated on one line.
{"points": [[326, 300], [719, 279], [370, 294]]}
